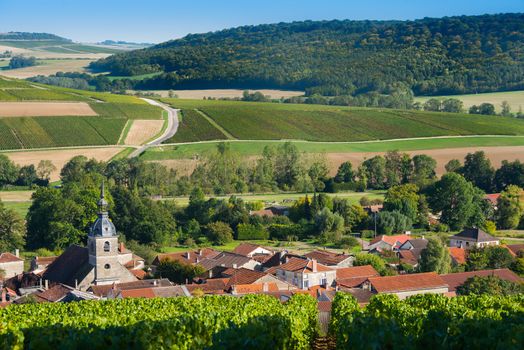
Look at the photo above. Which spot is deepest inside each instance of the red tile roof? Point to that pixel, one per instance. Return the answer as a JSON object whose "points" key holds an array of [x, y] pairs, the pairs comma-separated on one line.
{"points": [[45, 260], [455, 280], [405, 283], [246, 248], [407, 257], [326, 257], [8, 257], [356, 271], [255, 288], [138, 293], [189, 257], [245, 276], [493, 198], [210, 285], [458, 254], [515, 249], [54, 293], [104, 289], [305, 265], [391, 240], [262, 212], [140, 274]]}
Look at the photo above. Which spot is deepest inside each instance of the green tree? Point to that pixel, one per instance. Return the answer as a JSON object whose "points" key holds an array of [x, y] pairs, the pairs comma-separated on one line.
{"points": [[458, 201], [389, 222], [435, 258], [353, 214], [432, 105], [453, 166], [318, 172], [404, 199], [452, 105], [219, 233], [510, 207], [510, 173], [287, 165], [477, 169], [491, 285], [27, 176], [8, 171], [178, 272], [375, 172], [44, 170], [12, 230], [423, 170], [326, 221], [505, 109], [345, 173]]}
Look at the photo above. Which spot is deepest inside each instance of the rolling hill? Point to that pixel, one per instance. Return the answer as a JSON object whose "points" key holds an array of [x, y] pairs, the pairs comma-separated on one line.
{"points": [[451, 55], [37, 116], [273, 121]]}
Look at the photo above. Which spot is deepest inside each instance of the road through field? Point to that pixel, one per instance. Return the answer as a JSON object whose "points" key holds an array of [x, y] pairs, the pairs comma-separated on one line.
{"points": [[172, 127]]}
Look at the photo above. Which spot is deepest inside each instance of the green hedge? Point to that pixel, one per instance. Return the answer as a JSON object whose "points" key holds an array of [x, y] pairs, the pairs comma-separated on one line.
{"points": [[251, 232], [215, 322], [429, 322]]}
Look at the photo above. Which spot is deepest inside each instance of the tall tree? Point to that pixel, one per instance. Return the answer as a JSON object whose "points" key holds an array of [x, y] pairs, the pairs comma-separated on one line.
{"points": [[404, 199], [435, 258], [423, 170], [8, 171], [510, 207], [12, 230], [477, 169]]}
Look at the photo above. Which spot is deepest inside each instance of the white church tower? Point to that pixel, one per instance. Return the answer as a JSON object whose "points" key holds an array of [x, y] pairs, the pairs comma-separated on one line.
{"points": [[102, 243]]}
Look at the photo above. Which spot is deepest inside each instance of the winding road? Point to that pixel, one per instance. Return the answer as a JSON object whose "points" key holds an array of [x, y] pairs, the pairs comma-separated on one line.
{"points": [[172, 127]]}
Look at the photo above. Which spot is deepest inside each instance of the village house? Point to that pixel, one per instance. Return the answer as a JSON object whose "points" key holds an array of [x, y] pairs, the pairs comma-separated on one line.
{"points": [[455, 280], [406, 285], [11, 264], [384, 242], [252, 250], [305, 273], [331, 259], [409, 252], [355, 276], [472, 237], [40, 263], [516, 250], [458, 255], [190, 257]]}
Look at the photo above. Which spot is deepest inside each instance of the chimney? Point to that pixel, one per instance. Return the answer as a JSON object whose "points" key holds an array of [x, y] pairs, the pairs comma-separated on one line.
{"points": [[76, 284], [4, 295], [155, 283], [17, 253], [188, 255], [46, 284], [233, 289], [265, 287], [210, 274], [314, 265], [234, 266], [122, 247]]}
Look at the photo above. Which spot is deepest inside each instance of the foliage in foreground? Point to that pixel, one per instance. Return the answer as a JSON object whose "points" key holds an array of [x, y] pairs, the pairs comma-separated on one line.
{"points": [[429, 321], [215, 322]]}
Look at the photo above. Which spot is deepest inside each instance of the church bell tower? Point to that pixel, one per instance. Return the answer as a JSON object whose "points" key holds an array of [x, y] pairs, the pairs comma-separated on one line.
{"points": [[102, 243]]}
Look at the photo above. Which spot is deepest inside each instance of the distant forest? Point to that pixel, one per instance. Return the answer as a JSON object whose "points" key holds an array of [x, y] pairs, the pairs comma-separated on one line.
{"points": [[430, 56], [31, 36]]}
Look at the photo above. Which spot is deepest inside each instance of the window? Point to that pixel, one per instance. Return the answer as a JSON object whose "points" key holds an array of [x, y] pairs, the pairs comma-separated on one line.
{"points": [[107, 247], [107, 266], [323, 281], [306, 284]]}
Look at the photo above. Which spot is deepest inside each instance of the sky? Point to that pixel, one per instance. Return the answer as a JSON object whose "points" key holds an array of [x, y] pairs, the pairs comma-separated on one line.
{"points": [[160, 20]]}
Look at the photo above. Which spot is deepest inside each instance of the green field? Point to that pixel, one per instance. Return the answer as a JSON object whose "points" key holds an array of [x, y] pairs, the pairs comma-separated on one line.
{"points": [[194, 127], [20, 207], [514, 98], [57, 46], [271, 121], [61, 131], [249, 148]]}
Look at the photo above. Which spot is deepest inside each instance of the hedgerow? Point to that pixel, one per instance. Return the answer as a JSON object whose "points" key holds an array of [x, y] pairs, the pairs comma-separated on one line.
{"points": [[215, 322]]}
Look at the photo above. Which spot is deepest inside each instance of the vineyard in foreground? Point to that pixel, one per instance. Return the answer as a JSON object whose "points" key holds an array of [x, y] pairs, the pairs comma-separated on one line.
{"points": [[274, 121], [262, 322]]}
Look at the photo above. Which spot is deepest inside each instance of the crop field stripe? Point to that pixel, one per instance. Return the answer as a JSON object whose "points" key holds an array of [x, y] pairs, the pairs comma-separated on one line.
{"points": [[125, 131], [216, 125]]}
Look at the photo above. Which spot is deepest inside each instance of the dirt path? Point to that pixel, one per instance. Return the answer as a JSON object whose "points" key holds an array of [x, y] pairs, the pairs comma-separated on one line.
{"points": [[172, 127]]}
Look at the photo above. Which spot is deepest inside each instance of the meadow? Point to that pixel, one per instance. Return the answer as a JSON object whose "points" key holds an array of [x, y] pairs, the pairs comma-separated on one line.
{"points": [[194, 127], [270, 121]]}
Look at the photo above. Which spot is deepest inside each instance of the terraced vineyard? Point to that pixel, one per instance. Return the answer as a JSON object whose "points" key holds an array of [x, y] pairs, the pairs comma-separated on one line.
{"points": [[194, 127], [26, 131], [270, 121]]}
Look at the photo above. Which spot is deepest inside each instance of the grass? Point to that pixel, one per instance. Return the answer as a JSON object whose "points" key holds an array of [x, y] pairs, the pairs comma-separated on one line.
{"points": [[271, 121], [195, 127], [288, 198], [514, 98], [250, 148], [133, 77], [127, 110], [32, 94], [125, 152], [20, 207]]}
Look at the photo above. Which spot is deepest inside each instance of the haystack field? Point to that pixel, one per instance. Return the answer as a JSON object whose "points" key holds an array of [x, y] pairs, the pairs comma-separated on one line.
{"points": [[143, 130], [44, 109], [61, 156], [442, 156]]}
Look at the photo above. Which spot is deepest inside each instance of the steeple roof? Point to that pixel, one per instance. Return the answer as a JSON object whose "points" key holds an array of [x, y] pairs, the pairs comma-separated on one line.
{"points": [[103, 227]]}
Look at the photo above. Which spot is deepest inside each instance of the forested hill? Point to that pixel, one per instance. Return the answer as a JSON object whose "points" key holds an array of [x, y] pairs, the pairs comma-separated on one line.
{"points": [[31, 36], [449, 55]]}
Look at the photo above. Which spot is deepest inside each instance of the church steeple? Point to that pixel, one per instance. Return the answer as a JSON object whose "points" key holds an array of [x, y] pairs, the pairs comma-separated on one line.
{"points": [[103, 227]]}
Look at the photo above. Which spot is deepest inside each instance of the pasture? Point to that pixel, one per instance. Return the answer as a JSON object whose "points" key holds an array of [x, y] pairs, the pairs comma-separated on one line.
{"points": [[272, 121], [48, 67], [514, 98]]}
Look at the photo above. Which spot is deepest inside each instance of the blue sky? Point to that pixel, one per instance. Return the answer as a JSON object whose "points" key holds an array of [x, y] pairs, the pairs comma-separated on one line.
{"points": [[160, 20]]}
